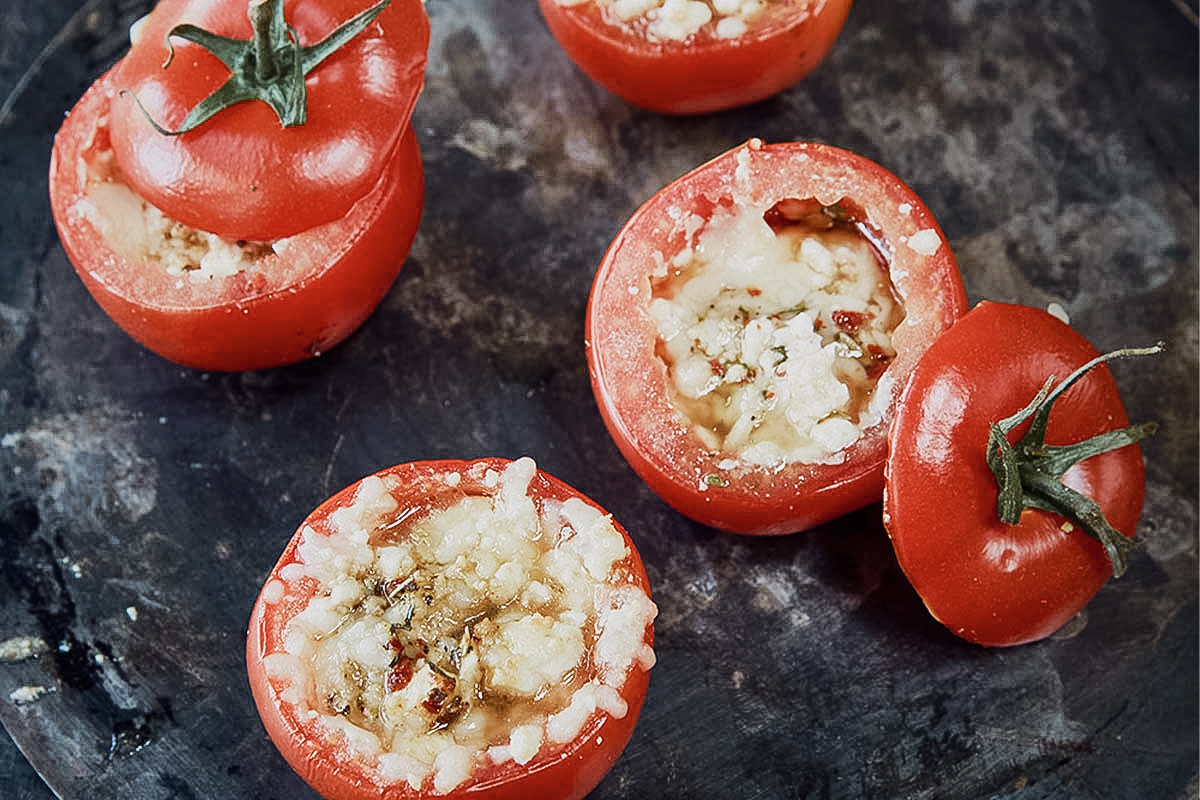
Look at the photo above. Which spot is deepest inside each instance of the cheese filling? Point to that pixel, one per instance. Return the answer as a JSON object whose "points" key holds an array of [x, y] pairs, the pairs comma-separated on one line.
{"points": [[775, 333], [142, 233], [681, 20], [477, 631]]}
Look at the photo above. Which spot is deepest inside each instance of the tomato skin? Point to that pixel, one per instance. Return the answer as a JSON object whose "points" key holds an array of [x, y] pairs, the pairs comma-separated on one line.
{"points": [[568, 772], [989, 582], [701, 76], [283, 314], [631, 383], [241, 174]]}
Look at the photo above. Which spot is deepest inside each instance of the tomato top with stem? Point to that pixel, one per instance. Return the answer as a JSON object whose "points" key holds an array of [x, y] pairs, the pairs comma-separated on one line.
{"points": [[208, 130], [1009, 561]]}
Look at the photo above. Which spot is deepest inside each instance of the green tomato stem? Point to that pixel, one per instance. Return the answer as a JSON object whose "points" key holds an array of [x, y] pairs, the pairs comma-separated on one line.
{"points": [[1029, 472], [271, 66], [266, 20]]}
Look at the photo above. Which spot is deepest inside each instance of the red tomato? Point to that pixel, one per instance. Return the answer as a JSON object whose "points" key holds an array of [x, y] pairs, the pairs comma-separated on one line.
{"points": [[704, 72], [988, 581], [289, 306], [332, 232], [323, 758], [631, 381], [242, 174]]}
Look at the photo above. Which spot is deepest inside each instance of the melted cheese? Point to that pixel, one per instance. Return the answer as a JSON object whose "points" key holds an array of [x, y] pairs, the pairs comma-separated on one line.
{"points": [[682, 20], [775, 341], [144, 234], [480, 631]]}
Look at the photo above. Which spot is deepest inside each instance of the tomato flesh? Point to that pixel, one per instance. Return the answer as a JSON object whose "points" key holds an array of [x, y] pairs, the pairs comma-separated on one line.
{"points": [[704, 72], [288, 307], [988, 582], [632, 384], [340, 770]]}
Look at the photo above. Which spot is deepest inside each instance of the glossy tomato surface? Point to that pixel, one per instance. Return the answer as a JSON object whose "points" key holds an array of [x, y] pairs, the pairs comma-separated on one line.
{"points": [[557, 772], [704, 72], [300, 299], [988, 582], [631, 382], [241, 174]]}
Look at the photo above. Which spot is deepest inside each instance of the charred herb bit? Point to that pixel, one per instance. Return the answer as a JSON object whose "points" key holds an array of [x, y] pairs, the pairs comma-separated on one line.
{"points": [[409, 610], [397, 597], [436, 700], [451, 667], [335, 703], [441, 669], [451, 709], [788, 313], [394, 588]]}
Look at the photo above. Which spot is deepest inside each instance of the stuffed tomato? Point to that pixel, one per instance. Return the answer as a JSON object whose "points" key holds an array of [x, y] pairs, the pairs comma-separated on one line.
{"points": [[751, 326], [453, 629], [233, 221], [694, 56]]}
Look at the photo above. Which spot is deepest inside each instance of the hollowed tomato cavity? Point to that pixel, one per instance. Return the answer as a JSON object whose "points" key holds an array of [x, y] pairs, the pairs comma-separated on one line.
{"points": [[684, 20], [775, 327], [484, 626], [143, 234]]}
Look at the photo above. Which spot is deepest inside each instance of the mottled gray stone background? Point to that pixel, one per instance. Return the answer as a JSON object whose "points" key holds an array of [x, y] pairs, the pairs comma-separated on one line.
{"points": [[141, 504]]}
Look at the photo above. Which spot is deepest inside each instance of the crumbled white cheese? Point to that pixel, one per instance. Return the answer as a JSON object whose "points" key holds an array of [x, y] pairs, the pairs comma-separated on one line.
{"points": [[1056, 310], [775, 340], [683, 20], [525, 742], [140, 231], [24, 695], [482, 628], [532, 652], [20, 648], [926, 242]]}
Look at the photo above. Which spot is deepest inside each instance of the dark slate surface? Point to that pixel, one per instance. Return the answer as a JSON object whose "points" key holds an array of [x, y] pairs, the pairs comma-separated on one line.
{"points": [[1055, 141]]}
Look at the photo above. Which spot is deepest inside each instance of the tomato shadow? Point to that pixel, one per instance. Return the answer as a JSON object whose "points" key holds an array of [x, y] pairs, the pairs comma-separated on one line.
{"points": [[853, 557]]}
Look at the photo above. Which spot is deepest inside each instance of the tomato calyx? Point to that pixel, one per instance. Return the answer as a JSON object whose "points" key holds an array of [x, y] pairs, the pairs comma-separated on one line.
{"points": [[271, 66], [1029, 473]]}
